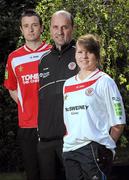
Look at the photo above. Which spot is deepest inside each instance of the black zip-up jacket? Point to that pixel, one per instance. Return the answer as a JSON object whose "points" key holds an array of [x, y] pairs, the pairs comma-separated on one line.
{"points": [[54, 69]]}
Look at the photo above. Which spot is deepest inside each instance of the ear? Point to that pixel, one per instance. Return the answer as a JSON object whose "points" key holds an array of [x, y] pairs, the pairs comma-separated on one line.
{"points": [[74, 27], [21, 30], [42, 29]]}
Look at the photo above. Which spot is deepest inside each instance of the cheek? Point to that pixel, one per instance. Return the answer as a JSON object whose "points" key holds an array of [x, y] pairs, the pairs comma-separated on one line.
{"points": [[51, 32], [24, 33], [76, 56], [68, 34], [94, 62], [39, 30], [54, 34], [25, 30], [77, 60], [93, 59]]}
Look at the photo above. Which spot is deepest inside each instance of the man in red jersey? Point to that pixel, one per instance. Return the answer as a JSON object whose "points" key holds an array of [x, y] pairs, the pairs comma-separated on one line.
{"points": [[21, 79]]}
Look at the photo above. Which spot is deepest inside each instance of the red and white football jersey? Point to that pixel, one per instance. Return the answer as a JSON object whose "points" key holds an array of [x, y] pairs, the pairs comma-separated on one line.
{"points": [[22, 75], [91, 107]]}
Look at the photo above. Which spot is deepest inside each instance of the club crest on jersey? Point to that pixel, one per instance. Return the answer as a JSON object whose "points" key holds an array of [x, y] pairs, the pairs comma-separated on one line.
{"points": [[20, 68], [89, 92], [72, 65]]}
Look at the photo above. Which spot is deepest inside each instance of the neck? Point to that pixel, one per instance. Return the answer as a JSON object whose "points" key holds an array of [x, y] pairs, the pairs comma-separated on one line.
{"points": [[58, 47], [83, 73], [33, 44]]}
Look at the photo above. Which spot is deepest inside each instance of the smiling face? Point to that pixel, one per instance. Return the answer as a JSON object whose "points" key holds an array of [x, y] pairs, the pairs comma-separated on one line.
{"points": [[85, 59], [61, 29], [31, 28]]}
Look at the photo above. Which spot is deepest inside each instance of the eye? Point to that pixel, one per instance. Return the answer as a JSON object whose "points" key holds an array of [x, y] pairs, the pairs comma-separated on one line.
{"points": [[79, 52], [25, 25], [35, 24], [65, 27], [55, 27]]}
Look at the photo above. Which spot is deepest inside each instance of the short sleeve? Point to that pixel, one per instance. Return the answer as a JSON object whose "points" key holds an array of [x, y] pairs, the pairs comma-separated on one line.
{"points": [[10, 81], [113, 101]]}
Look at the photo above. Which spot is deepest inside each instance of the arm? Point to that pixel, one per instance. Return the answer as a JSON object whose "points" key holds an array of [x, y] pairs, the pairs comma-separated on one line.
{"points": [[116, 131], [13, 95], [115, 108]]}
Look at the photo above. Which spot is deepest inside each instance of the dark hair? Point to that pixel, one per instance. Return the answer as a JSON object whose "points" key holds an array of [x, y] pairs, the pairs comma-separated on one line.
{"points": [[29, 13], [91, 43], [66, 13]]}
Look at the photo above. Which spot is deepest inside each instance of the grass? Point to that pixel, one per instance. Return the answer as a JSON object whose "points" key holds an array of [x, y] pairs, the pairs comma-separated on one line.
{"points": [[12, 176]]}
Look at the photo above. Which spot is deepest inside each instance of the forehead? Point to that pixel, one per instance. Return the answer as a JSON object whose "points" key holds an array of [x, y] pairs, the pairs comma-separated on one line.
{"points": [[60, 19], [81, 46], [29, 19]]}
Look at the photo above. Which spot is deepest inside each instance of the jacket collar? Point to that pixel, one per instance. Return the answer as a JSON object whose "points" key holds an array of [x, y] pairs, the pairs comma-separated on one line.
{"points": [[64, 47]]}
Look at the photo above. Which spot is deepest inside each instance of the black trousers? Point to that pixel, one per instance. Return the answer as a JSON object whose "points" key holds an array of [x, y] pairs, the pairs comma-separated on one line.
{"points": [[50, 160], [28, 141], [91, 162]]}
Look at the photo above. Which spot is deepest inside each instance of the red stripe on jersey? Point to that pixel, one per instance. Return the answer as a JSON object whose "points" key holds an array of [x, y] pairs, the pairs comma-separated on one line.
{"points": [[80, 86]]}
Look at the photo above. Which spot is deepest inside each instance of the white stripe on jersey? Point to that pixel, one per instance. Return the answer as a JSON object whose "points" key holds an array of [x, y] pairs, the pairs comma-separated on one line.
{"points": [[43, 47], [20, 95], [32, 57]]}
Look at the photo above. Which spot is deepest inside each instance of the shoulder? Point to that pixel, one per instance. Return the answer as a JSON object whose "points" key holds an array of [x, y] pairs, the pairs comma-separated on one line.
{"points": [[46, 53], [104, 77], [16, 53], [45, 46], [106, 81], [70, 81], [71, 47]]}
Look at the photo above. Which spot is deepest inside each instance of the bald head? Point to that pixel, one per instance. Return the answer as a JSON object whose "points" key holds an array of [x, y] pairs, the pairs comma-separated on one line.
{"points": [[64, 13], [61, 28]]}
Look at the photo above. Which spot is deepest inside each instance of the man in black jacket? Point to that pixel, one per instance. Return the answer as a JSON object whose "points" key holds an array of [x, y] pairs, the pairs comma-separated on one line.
{"points": [[55, 67]]}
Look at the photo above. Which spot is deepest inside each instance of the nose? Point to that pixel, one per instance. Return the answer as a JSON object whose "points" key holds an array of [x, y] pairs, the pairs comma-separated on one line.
{"points": [[60, 30], [84, 54], [31, 29]]}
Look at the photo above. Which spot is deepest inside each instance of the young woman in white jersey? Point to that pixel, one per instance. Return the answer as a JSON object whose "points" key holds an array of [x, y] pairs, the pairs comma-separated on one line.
{"points": [[93, 114]]}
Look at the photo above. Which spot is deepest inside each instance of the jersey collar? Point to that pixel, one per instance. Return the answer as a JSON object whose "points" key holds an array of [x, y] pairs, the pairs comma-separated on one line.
{"points": [[38, 49]]}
